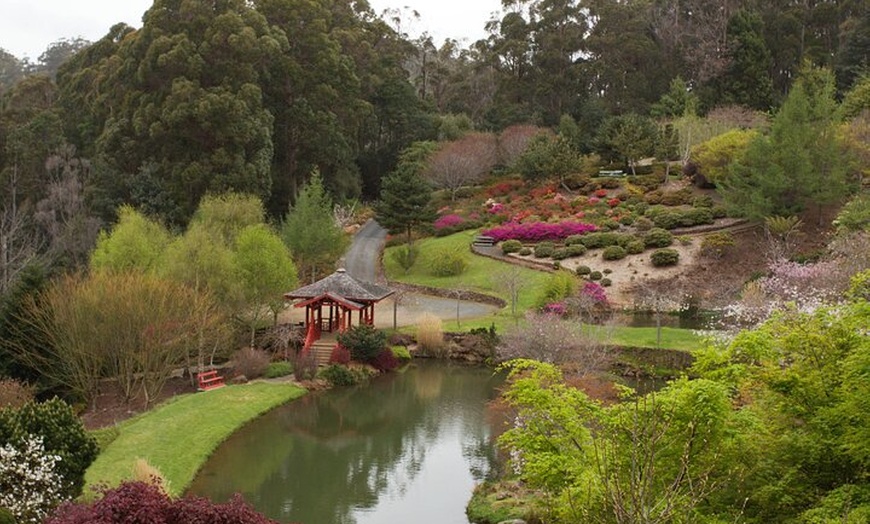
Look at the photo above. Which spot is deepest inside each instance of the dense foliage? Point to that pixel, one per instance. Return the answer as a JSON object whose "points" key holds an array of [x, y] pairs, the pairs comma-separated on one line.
{"points": [[141, 502], [62, 435]]}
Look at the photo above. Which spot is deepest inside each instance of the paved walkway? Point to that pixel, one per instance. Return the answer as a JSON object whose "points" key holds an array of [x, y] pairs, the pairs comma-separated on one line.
{"points": [[362, 261]]}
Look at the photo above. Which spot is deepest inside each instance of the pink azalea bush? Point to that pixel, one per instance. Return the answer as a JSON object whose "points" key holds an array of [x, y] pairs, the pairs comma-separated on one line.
{"points": [[538, 231], [594, 291], [448, 221]]}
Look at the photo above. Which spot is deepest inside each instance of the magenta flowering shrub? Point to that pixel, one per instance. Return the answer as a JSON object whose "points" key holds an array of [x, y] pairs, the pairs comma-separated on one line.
{"points": [[448, 221], [538, 231], [556, 308], [594, 291]]}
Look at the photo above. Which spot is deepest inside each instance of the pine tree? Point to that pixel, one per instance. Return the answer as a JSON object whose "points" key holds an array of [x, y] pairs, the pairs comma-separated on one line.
{"points": [[310, 231]]}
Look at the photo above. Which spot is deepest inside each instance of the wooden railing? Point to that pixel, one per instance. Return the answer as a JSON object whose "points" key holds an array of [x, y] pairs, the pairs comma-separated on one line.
{"points": [[312, 336]]}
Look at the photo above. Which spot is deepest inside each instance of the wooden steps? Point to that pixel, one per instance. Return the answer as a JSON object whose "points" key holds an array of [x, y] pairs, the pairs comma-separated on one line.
{"points": [[322, 350], [483, 241]]}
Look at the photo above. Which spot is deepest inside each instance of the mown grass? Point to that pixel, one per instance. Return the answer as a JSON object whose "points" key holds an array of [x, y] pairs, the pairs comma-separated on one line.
{"points": [[179, 436], [483, 275], [486, 275]]}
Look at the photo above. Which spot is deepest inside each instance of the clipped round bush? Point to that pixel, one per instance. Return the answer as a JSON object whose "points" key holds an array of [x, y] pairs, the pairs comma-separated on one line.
{"points": [[719, 211], [624, 240], [668, 220], [613, 253], [658, 237], [595, 275], [703, 201], [583, 270], [607, 271], [643, 224], [544, 249], [665, 257], [610, 225], [635, 247], [448, 263], [574, 240], [525, 251], [600, 239], [576, 250], [338, 375], [627, 220], [606, 282], [511, 246], [561, 253], [363, 341]]}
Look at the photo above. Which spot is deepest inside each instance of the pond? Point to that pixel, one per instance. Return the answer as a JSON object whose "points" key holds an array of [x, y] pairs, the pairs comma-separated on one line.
{"points": [[407, 447]]}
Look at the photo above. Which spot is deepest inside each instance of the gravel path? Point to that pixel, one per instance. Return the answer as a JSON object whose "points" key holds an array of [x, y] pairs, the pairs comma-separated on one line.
{"points": [[361, 261]]}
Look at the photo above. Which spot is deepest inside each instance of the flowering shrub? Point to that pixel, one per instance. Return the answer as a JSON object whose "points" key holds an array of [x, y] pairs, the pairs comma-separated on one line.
{"points": [[601, 193], [135, 502], [613, 202], [448, 221], [538, 231], [555, 308], [30, 485], [62, 434], [593, 200], [595, 292], [504, 188]]}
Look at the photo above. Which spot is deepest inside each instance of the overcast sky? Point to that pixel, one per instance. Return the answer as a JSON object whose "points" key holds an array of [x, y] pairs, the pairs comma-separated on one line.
{"points": [[27, 27]]}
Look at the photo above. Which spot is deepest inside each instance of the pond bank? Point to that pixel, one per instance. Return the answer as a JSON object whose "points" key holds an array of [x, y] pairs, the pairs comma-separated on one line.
{"points": [[179, 436]]}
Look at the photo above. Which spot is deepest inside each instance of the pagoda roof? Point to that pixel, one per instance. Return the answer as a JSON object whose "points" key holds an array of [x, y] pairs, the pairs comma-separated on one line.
{"points": [[341, 285]]}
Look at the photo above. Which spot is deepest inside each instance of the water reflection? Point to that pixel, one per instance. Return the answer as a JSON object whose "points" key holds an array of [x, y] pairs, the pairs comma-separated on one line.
{"points": [[407, 447]]}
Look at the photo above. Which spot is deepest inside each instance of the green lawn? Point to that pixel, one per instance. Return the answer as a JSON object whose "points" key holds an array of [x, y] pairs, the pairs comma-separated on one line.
{"points": [[180, 435], [484, 275]]}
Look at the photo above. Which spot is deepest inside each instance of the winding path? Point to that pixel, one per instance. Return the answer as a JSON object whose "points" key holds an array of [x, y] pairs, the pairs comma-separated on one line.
{"points": [[361, 261]]}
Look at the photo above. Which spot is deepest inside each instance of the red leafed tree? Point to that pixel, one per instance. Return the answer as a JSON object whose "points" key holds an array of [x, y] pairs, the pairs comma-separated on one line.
{"points": [[462, 162], [513, 141]]}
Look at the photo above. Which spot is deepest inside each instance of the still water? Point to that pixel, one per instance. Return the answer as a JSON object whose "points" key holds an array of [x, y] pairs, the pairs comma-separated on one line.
{"points": [[407, 447]]}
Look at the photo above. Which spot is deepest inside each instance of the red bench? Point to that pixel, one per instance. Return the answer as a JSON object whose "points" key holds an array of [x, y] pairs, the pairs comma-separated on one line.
{"points": [[210, 380]]}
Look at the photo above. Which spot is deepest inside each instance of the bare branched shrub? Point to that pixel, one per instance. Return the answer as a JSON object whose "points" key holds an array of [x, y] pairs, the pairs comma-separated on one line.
{"points": [[133, 328], [430, 334], [549, 338], [305, 366], [14, 394], [251, 362]]}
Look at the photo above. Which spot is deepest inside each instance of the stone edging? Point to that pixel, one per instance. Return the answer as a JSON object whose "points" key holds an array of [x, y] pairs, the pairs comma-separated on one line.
{"points": [[471, 296]]}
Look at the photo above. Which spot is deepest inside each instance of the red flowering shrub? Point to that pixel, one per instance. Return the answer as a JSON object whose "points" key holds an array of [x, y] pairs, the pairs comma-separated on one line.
{"points": [[601, 193], [538, 231], [504, 188], [613, 202], [385, 361], [142, 503], [340, 355]]}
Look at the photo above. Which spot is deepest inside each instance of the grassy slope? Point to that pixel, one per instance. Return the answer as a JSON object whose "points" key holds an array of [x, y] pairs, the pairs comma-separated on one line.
{"points": [[482, 276], [179, 436]]}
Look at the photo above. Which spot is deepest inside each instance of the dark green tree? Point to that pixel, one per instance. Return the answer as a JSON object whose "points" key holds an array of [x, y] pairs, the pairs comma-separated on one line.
{"points": [[627, 138], [406, 198], [548, 157], [800, 163], [747, 79]]}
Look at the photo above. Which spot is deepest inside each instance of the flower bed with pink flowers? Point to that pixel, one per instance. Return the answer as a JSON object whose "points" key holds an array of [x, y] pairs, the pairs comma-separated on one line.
{"points": [[538, 231]]}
